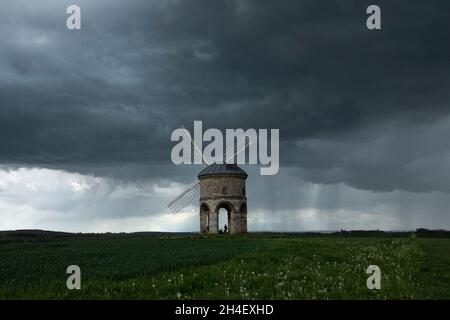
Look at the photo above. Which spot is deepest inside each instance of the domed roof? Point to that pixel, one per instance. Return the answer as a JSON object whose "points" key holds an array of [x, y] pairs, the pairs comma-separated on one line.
{"points": [[225, 169]]}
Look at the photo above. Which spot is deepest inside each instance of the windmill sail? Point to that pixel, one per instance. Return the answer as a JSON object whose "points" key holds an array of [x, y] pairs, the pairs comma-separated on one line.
{"points": [[183, 199], [232, 153]]}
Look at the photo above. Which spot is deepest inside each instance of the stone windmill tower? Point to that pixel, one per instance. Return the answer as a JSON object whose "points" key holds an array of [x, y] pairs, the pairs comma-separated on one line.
{"points": [[223, 186], [218, 186]]}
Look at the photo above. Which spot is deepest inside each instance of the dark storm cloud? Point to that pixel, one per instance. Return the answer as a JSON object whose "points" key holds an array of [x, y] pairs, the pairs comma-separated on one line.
{"points": [[368, 109]]}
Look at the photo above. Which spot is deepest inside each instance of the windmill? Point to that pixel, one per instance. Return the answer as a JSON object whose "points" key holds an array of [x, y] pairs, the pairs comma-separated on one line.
{"points": [[193, 190]]}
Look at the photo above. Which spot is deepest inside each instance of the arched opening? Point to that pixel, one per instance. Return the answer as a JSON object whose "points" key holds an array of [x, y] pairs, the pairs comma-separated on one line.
{"points": [[224, 217], [224, 211]]}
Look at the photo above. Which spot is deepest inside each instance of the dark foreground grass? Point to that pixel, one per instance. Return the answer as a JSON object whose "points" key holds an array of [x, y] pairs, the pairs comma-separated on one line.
{"points": [[227, 268]]}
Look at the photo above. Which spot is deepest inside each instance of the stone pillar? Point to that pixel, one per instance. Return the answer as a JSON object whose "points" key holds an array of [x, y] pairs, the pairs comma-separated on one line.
{"points": [[203, 221], [243, 218], [213, 221], [235, 223]]}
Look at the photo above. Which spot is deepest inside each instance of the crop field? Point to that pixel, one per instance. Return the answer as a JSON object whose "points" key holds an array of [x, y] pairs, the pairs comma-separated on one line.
{"points": [[225, 267]]}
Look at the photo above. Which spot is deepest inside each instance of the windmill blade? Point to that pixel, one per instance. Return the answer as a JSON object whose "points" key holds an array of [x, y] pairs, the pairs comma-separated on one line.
{"points": [[231, 153], [239, 148], [196, 148], [186, 197]]}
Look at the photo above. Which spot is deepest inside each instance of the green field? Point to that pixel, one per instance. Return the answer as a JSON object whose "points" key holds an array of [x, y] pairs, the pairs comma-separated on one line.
{"points": [[225, 267]]}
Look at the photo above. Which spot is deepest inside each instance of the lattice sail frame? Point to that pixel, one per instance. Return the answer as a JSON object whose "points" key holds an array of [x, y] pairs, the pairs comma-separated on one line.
{"points": [[185, 198]]}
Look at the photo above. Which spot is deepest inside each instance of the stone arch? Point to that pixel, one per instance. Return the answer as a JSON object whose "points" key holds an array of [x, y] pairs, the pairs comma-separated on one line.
{"points": [[204, 217], [230, 215], [226, 205]]}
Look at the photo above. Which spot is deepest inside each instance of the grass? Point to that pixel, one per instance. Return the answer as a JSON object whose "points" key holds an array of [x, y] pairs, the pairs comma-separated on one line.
{"points": [[226, 267], [434, 273]]}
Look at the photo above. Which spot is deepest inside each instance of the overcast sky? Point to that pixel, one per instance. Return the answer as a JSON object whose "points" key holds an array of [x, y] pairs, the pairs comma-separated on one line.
{"points": [[86, 115]]}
